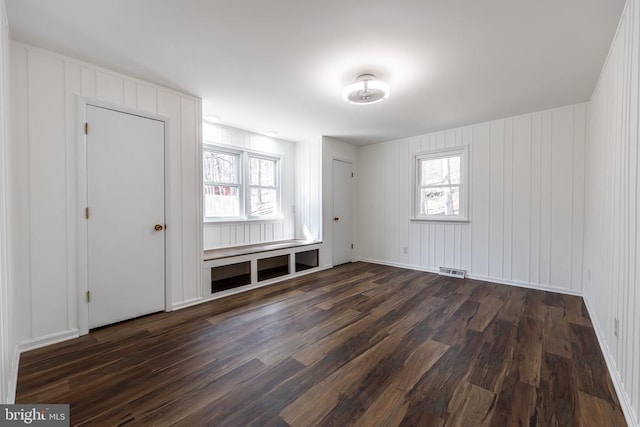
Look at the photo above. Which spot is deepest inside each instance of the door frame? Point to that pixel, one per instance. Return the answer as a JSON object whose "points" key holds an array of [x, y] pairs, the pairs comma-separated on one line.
{"points": [[353, 216], [81, 190]]}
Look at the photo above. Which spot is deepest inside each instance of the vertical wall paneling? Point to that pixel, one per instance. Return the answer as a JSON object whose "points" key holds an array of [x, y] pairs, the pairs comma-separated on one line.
{"points": [[47, 171], [88, 77], [73, 88], [507, 262], [169, 105], [524, 216], [609, 274], [45, 87], [130, 95], [223, 234], [110, 88], [496, 200], [147, 98], [535, 153], [191, 161], [480, 202], [19, 180], [8, 326], [308, 189], [561, 192], [578, 195], [545, 198], [521, 211]]}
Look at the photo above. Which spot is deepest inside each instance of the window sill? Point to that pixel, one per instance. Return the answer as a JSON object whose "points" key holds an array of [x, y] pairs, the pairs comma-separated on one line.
{"points": [[270, 219], [441, 220]]}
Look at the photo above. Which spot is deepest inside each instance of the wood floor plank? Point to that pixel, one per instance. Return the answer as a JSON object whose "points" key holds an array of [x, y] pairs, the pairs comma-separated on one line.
{"points": [[470, 404], [515, 405], [359, 344], [596, 411], [525, 366]]}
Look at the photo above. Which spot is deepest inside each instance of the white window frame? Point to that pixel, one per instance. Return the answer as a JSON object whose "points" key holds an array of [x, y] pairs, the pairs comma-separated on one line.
{"points": [[244, 187], [463, 152], [249, 155], [239, 186]]}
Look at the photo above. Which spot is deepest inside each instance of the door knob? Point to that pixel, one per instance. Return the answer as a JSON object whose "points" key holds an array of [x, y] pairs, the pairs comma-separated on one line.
{"points": [[335, 218], [159, 227]]}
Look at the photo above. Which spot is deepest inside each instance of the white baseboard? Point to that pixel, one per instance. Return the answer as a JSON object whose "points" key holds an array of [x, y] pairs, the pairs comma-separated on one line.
{"points": [[48, 340], [188, 303], [623, 396], [498, 280]]}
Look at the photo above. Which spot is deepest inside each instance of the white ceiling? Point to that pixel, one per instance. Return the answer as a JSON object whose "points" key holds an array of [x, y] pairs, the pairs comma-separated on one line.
{"points": [[281, 64]]}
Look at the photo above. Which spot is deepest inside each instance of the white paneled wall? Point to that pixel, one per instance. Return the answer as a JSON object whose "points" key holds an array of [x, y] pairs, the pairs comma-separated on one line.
{"points": [[308, 190], [45, 87], [8, 345], [611, 252], [526, 202], [224, 234]]}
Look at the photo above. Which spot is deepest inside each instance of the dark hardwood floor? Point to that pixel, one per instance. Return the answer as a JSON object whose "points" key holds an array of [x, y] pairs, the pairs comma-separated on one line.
{"points": [[359, 344]]}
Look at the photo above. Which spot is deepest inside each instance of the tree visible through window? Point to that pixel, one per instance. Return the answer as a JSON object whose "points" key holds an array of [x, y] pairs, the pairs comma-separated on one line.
{"points": [[441, 185], [221, 184], [262, 186]]}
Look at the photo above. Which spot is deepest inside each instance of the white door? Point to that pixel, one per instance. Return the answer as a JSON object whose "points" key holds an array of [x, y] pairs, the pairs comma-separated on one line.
{"points": [[125, 228], [342, 221]]}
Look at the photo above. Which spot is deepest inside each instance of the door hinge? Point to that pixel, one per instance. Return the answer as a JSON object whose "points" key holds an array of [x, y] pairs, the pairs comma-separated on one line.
{"points": [[88, 296], [86, 213], [352, 246], [351, 174], [86, 128]]}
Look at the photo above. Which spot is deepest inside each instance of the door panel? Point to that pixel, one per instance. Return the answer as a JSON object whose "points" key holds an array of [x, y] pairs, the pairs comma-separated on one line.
{"points": [[342, 215], [125, 180]]}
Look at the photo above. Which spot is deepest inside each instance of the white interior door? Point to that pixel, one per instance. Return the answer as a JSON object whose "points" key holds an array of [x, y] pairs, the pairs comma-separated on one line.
{"points": [[125, 194], [342, 212]]}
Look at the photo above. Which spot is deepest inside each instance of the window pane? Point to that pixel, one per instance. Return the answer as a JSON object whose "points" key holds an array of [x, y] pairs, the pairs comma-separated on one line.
{"points": [[263, 202], [220, 167], [440, 201], [445, 170], [221, 201], [262, 172]]}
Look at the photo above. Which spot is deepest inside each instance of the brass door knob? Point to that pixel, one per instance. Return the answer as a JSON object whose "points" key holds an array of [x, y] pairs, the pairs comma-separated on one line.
{"points": [[159, 227]]}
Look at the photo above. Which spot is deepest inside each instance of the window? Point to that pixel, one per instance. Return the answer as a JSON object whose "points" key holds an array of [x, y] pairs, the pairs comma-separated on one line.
{"points": [[222, 189], [441, 185], [240, 185], [263, 189]]}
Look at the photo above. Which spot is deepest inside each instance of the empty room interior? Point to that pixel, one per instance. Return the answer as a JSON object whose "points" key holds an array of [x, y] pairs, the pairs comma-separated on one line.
{"points": [[296, 213]]}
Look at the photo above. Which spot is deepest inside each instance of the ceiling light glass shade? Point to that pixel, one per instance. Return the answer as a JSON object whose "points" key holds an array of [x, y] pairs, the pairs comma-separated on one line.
{"points": [[366, 90]]}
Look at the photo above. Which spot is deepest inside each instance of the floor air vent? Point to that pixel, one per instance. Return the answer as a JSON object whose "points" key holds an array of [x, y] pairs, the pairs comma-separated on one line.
{"points": [[452, 272]]}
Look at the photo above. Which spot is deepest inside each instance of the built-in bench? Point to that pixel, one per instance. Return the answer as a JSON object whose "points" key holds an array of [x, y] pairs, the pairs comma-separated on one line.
{"points": [[233, 269]]}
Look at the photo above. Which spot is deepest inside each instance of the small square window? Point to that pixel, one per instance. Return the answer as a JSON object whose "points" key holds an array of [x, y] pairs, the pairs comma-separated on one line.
{"points": [[441, 185]]}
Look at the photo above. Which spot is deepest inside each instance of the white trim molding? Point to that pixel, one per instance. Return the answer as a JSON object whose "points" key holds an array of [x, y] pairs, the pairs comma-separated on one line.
{"points": [[48, 340]]}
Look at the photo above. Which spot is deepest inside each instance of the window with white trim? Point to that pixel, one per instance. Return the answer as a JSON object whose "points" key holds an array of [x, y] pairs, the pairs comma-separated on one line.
{"points": [[441, 185], [263, 186], [240, 185]]}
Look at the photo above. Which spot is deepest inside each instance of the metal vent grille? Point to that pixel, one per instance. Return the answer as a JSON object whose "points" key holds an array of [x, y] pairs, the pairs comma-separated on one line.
{"points": [[453, 272]]}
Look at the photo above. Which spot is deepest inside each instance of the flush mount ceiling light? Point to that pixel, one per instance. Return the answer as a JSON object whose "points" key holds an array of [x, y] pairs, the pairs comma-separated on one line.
{"points": [[212, 119], [366, 90]]}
